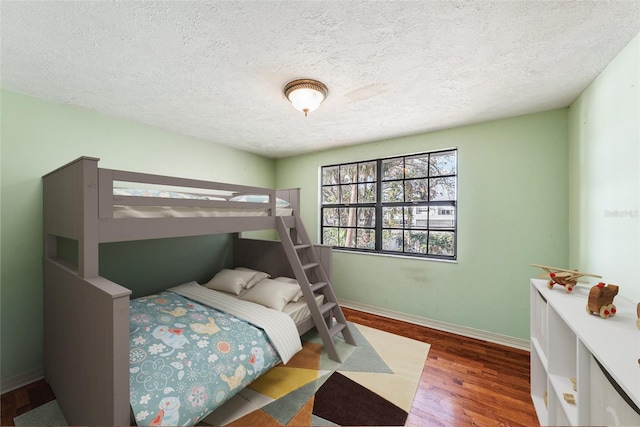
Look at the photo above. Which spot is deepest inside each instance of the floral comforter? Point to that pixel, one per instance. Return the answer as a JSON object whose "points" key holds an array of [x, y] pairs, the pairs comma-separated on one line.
{"points": [[186, 359]]}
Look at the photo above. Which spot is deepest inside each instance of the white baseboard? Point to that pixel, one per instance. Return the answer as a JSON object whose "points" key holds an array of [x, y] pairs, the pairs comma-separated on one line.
{"points": [[505, 340], [17, 381]]}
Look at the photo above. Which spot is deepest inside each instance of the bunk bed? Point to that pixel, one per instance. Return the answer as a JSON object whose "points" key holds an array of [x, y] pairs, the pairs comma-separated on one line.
{"points": [[88, 344]]}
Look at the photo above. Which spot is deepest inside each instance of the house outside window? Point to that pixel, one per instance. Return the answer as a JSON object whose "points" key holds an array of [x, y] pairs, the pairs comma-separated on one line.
{"points": [[405, 205]]}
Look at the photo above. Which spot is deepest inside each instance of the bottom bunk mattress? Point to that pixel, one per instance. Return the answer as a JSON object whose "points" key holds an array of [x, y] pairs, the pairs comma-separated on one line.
{"points": [[188, 355]]}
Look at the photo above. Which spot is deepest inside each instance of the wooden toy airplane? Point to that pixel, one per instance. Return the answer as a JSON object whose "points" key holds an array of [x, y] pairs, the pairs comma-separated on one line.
{"points": [[564, 277]]}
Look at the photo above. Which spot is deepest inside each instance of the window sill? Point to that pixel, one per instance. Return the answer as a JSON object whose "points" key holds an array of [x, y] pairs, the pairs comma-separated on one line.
{"points": [[448, 261]]}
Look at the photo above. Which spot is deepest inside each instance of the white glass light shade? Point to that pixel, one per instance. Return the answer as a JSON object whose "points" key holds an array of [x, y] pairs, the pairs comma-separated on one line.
{"points": [[306, 100], [305, 95]]}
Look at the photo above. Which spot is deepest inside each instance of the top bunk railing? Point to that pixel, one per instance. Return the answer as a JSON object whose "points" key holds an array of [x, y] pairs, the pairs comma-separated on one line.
{"points": [[80, 203], [221, 195]]}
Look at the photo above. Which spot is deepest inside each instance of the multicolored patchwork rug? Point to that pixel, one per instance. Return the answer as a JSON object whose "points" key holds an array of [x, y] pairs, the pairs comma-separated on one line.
{"points": [[374, 385]]}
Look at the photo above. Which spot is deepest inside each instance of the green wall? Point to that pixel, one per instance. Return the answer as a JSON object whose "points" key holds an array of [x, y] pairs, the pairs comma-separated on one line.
{"points": [[147, 266], [604, 135], [39, 136], [512, 211]]}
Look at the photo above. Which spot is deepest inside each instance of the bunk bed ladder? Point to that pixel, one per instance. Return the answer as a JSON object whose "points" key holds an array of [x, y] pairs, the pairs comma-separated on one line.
{"points": [[306, 267]]}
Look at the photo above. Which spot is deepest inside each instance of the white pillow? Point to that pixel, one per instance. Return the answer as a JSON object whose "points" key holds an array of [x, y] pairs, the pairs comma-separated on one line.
{"points": [[290, 280], [260, 275], [271, 293], [232, 281]]}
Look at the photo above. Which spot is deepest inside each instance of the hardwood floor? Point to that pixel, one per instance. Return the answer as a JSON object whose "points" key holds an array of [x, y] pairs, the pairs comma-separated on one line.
{"points": [[24, 399], [465, 382]]}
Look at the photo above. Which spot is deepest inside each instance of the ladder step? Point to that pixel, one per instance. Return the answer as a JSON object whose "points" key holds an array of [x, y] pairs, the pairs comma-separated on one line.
{"points": [[302, 246], [327, 307], [337, 328], [318, 286], [310, 266]]}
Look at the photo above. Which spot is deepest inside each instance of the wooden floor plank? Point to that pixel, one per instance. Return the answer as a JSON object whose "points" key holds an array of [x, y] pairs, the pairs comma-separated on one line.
{"points": [[464, 381]]}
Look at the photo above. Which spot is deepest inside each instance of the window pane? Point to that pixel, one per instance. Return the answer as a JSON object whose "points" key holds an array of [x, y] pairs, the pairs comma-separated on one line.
{"points": [[417, 167], [392, 169], [366, 239], [349, 237], [366, 193], [416, 190], [442, 217], [442, 188], [443, 164], [367, 217], [416, 241], [348, 173], [416, 217], [330, 236], [330, 175], [392, 240], [367, 172], [334, 236], [330, 195], [441, 243], [392, 217], [392, 192], [347, 217], [349, 194], [330, 217]]}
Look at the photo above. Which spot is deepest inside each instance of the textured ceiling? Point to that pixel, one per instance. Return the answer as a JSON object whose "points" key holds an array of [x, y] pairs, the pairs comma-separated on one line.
{"points": [[215, 70]]}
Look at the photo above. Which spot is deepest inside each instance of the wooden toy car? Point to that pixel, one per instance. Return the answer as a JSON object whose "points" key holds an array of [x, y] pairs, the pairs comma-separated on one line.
{"points": [[601, 300], [563, 277]]}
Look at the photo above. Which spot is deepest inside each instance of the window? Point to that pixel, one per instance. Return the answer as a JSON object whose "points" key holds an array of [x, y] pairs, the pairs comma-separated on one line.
{"points": [[400, 205]]}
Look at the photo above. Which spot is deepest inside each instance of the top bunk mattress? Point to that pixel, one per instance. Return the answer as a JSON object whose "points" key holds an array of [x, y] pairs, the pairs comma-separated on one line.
{"points": [[128, 211]]}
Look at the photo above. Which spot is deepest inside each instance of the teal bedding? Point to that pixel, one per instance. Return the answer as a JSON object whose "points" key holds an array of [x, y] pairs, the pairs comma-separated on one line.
{"points": [[186, 359]]}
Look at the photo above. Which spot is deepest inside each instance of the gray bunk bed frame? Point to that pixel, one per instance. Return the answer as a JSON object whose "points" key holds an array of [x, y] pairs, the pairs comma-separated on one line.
{"points": [[86, 317]]}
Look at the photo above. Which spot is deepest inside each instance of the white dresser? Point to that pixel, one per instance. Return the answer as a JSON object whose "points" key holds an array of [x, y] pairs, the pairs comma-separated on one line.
{"points": [[567, 343]]}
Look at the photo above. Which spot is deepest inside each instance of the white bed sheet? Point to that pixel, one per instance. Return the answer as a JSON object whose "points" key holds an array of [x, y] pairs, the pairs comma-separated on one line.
{"points": [[299, 311], [127, 211], [190, 212]]}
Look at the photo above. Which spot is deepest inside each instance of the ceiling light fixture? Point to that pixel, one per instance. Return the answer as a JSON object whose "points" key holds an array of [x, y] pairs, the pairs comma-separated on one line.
{"points": [[306, 95]]}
